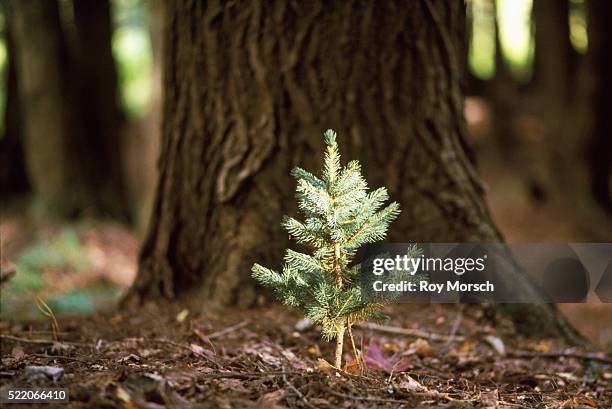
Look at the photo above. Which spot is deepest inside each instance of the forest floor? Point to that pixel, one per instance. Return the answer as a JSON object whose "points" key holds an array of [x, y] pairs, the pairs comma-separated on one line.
{"points": [[172, 356], [168, 356]]}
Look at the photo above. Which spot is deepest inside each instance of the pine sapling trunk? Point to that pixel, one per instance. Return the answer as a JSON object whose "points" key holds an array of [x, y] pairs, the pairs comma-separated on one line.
{"points": [[340, 334], [339, 347]]}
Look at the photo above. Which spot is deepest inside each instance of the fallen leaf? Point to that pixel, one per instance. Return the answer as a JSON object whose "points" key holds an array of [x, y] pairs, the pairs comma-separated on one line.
{"points": [[585, 401], [352, 367], [542, 346], [422, 348], [198, 350], [116, 319], [409, 384], [376, 360], [567, 376], [490, 398], [181, 316], [324, 366], [271, 400], [391, 347], [496, 343], [233, 385], [129, 359], [466, 346], [17, 352]]}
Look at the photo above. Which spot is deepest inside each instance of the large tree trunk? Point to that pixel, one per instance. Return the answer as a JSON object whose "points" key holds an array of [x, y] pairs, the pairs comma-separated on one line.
{"points": [[249, 90], [69, 129], [600, 58], [561, 107], [99, 112], [45, 102], [13, 177]]}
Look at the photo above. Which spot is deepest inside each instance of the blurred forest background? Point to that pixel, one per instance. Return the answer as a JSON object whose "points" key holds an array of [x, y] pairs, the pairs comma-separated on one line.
{"points": [[78, 164]]}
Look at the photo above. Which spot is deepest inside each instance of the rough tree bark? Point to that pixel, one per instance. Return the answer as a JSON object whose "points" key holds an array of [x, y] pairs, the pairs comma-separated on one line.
{"points": [[600, 58], [249, 89], [98, 105], [69, 129], [48, 123], [561, 107], [13, 177]]}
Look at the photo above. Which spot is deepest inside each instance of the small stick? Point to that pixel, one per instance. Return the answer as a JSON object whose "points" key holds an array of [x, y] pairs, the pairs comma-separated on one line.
{"points": [[187, 348], [364, 398], [247, 375], [456, 324], [592, 357], [358, 357], [227, 330], [296, 391], [67, 358], [409, 332], [40, 341]]}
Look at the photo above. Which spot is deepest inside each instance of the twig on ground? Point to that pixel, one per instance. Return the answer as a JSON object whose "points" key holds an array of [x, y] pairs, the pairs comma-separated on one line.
{"points": [[456, 324], [41, 341], [591, 357], [364, 398], [227, 330], [297, 391], [67, 358], [409, 332], [247, 375], [515, 405], [187, 348]]}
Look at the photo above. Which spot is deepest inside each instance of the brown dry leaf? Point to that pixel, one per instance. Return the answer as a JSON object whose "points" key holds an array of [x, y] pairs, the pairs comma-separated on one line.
{"points": [[148, 352], [568, 376], [353, 367], [116, 319], [585, 401], [466, 346], [181, 316], [232, 385], [17, 352], [59, 347], [496, 343], [271, 400], [125, 397], [391, 347], [490, 398], [542, 346], [324, 366], [409, 384], [422, 348], [129, 359]]}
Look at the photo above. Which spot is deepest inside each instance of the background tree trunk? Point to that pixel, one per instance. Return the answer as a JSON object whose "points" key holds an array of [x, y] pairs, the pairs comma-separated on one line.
{"points": [[68, 106], [99, 112], [249, 90], [13, 177], [561, 104], [46, 105], [600, 56]]}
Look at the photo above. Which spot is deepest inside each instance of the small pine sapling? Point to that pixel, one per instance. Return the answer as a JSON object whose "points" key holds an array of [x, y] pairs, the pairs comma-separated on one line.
{"points": [[340, 216]]}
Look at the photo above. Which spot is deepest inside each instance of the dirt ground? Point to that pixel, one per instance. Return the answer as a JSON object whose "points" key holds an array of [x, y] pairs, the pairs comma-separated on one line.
{"points": [[170, 356]]}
